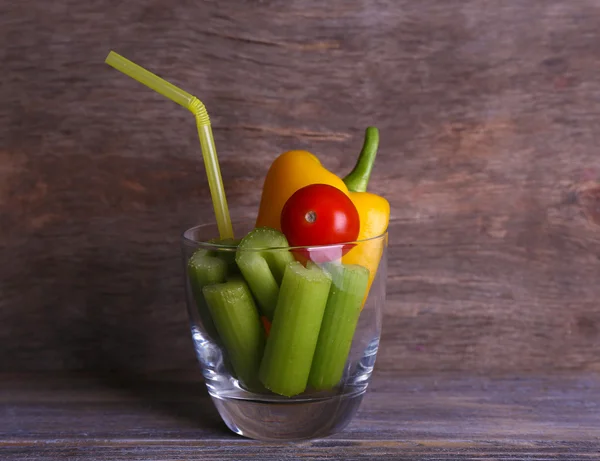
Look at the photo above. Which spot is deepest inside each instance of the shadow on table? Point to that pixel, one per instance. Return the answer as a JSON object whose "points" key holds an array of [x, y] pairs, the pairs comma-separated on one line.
{"points": [[180, 395]]}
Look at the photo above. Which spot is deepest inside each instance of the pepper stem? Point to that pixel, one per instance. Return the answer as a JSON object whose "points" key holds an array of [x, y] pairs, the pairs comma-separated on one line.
{"points": [[358, 178]]}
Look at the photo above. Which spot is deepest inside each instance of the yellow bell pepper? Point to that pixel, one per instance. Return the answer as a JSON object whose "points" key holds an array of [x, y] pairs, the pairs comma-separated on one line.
{"points": [[374, 212], [296, 169], [289, 172]]}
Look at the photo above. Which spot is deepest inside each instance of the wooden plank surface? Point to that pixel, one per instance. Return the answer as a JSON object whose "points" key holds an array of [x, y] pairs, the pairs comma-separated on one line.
{"points": [[435, 416], [489, 120]]}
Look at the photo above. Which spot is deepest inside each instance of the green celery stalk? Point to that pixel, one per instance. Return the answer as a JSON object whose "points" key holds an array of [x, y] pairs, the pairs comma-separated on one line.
{"points": [[205, 268], [235, 315], [263, 268], [349, 283], [295, 329]]}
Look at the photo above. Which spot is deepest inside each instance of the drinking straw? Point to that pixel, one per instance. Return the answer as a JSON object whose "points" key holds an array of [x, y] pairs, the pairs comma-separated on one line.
{"points": [[207, 143]]}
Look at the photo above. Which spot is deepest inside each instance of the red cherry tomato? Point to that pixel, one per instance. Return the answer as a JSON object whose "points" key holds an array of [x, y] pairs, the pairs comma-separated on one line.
{"points": [[266, 325], [320, 214]]}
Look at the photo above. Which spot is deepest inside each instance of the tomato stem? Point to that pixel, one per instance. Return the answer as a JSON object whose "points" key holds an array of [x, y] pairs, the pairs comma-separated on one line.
{"points": [[358, 178]]}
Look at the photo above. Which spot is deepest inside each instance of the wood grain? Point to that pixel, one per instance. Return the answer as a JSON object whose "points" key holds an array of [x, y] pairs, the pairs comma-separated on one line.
{"points": [[434, 416], [488, 113]]}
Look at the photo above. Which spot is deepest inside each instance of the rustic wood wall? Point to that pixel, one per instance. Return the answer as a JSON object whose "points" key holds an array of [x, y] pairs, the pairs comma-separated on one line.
{"points": [[490, 120]]}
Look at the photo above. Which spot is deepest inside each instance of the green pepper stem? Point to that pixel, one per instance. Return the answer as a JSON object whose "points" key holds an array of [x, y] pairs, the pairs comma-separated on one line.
{"points": [[358, 178]]}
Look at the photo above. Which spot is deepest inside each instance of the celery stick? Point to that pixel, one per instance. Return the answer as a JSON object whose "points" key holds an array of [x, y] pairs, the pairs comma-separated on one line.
{"points": [[263, 268], [235, 315], [348, 286], [291, 343], [204, 268]]}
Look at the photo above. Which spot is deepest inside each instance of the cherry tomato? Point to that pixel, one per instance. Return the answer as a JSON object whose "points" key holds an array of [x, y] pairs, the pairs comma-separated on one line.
{"points": [[266, 325], [320, 214]]}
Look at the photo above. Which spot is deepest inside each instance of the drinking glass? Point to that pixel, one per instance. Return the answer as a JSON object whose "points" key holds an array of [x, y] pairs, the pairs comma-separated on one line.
{"points": [[246, 406]]}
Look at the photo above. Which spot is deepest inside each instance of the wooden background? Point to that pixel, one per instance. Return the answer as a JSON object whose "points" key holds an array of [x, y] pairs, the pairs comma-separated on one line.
{"points": [[489, 116]]}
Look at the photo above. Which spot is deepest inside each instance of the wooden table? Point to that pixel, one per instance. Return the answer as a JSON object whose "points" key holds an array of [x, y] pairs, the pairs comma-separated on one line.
{"points": [[170, 416]]}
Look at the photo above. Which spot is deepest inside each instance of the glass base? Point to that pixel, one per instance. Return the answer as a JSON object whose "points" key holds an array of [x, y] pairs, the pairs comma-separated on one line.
{"points": [[276, 419]]}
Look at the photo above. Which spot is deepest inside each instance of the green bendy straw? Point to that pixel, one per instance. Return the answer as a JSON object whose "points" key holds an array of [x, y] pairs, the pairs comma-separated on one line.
{"points": [[207, 143]]}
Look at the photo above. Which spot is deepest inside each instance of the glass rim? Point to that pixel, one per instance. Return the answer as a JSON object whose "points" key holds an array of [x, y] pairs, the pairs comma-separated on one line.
{"points": [[187, 240]]}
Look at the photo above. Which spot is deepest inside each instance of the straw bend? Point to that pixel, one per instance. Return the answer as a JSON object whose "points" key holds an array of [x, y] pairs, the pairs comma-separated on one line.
{"points": [[197, 108]]}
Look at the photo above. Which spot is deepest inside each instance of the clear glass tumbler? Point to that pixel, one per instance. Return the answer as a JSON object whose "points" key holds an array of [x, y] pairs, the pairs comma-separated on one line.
{"points": [[324, 336]]}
